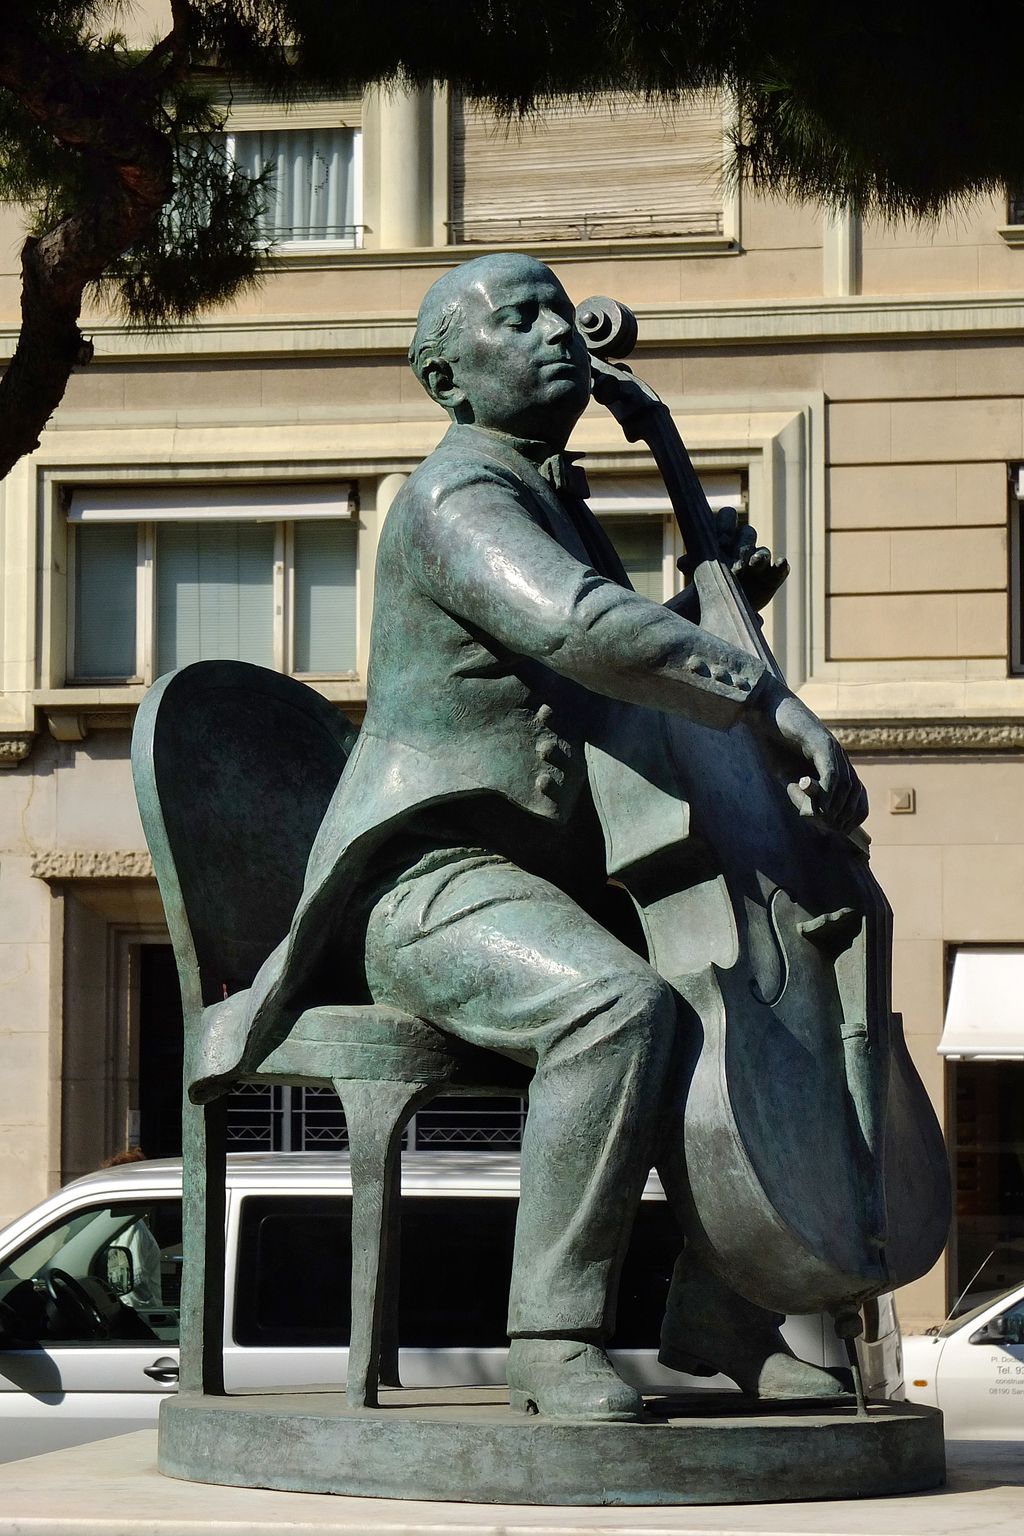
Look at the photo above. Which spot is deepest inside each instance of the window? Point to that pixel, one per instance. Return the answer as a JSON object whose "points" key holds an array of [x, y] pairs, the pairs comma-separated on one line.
{"points": [[1016, 548], [164, 578], [1015, 205], [313, 149], [107, 1275], [988, 1152], [638, 518], [616, 168], [455, 1272], [314, 192], [1013, 1324]]}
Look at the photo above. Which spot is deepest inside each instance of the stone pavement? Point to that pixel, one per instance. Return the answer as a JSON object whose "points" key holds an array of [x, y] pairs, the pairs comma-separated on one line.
{"points": [[112, 1488]]}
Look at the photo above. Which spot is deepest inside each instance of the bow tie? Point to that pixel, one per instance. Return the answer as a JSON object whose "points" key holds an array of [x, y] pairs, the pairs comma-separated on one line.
{"points": [[563, 473]]}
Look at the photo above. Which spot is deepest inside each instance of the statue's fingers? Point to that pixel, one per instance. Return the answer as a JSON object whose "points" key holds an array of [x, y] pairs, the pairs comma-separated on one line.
{"points": [[745, 542], [726, 521]]}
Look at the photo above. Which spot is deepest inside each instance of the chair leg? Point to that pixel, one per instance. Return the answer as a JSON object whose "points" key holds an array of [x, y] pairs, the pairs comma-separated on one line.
{"points": [[375, 1114], [204, 1195], [387, 1372]]}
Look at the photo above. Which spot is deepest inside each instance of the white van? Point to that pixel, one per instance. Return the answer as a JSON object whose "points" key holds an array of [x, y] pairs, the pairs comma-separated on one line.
{"points": [[90, 1284]]}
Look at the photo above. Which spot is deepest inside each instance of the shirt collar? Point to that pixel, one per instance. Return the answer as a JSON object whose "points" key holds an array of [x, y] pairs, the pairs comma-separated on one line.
{"points": [[559, 469]]}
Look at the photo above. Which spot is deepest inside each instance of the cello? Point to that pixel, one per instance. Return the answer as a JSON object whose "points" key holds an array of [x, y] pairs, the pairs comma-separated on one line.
{"points": [[810, 1158]]}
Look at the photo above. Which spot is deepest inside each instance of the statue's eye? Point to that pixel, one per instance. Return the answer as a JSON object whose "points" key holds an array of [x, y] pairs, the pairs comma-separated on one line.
{"points": [[519, 317]]}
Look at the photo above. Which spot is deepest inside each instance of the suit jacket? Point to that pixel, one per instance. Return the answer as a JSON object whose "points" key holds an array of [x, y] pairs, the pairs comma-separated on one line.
{"points": [[501, 618]]}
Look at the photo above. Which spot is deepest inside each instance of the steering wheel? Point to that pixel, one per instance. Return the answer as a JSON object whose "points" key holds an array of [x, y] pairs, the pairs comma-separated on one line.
{"points": [[73, 1301]]}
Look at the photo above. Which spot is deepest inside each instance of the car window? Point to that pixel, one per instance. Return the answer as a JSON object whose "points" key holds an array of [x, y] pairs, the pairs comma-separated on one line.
{"points": [[954, 1324], [1013, 1320], [109, 1274], [293, 1276]]}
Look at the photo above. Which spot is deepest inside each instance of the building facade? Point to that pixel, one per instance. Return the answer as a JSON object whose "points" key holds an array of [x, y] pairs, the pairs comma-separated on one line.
{"points": [[219, 489]]}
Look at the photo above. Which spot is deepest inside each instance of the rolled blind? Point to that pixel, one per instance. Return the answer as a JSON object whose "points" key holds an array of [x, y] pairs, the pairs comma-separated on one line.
{"points": [[325, 597], [626, 495], [177, 503], [106, 557], [247, 108], [616, 168], [214, 593]]}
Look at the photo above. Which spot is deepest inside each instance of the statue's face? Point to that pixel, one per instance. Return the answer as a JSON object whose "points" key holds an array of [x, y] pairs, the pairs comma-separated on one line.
{"points": [[522, 365]]}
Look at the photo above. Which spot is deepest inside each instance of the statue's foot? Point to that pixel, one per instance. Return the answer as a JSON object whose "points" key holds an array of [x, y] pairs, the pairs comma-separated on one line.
{"points": [[710, 1329], [775, 1374], [568, 1379]]}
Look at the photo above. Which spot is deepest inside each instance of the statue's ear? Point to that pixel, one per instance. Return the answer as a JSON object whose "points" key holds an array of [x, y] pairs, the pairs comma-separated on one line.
{"points": [[439, 382]]}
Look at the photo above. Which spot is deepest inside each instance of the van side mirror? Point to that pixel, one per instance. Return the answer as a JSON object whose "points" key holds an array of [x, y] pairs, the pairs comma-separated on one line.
{"points": [[119, 1270], [995, 1331]]}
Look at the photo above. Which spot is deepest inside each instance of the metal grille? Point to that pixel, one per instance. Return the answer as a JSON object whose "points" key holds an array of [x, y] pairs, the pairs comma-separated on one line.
{"points": [[455, 1122], [277, 1119], [257, 1119], [317, 1120]]}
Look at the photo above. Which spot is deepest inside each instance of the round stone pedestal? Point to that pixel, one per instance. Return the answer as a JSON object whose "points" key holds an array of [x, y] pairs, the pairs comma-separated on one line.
{"points": [[465, 1444]]}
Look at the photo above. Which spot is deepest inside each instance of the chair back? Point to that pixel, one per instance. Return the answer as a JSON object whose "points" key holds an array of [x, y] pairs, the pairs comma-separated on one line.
{"points": [[234, 768]]}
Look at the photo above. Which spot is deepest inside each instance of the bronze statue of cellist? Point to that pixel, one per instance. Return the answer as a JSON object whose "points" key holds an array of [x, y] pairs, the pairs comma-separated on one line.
{"points": [[535, 727]]}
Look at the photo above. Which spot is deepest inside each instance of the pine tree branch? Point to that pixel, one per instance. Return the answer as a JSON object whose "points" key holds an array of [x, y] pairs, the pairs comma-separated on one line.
{"points": [[131, 165]]}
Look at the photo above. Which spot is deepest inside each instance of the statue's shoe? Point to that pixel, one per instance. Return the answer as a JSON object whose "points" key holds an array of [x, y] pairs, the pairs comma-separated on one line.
{"points": [[568, 1379], [708, 1329], [777, 1374]]}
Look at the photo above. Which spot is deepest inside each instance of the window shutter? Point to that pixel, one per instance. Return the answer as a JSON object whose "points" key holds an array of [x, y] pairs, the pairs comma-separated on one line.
{"points": [[214, 593], [639, 545], [617, 168], [106, 556], [247, 109], [324, 597]]}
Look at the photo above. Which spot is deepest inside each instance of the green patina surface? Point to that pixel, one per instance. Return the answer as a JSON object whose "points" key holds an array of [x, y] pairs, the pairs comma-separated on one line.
{"points": [[429, 904]]}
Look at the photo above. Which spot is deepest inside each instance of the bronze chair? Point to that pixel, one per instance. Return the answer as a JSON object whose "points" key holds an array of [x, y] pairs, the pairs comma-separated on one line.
{"points": [[234, 767]]}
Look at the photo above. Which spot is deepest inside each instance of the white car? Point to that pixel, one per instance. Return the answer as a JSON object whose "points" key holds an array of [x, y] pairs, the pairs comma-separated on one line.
{"points": [[973, 1369], [90, 1284]]}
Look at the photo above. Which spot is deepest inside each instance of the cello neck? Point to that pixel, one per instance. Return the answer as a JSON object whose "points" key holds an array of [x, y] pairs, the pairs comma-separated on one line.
{"points": [[643, 417]]}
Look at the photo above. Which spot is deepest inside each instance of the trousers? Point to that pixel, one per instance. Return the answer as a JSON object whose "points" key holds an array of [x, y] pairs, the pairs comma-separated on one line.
{"points": [[503, 958]]}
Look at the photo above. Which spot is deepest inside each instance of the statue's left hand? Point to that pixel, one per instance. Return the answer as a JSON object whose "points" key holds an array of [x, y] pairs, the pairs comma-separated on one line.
{"points": [[834, 793], [757, 574]]}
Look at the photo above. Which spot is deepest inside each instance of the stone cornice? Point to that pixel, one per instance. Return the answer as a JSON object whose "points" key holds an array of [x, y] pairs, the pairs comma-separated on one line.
{"points": [[85, 864], [928, 736], [767, 322]]}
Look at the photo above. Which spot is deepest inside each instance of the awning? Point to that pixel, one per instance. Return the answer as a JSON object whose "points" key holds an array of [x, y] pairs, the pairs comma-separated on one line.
{"points": [[626, 495], [985, 1012]]}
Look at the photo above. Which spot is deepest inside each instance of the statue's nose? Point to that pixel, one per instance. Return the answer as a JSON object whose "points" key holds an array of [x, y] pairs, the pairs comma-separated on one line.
{"points": [[555, 325]]}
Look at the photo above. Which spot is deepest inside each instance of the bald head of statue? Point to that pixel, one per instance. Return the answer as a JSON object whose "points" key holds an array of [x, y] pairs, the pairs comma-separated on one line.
{"points": [[496, 345]]}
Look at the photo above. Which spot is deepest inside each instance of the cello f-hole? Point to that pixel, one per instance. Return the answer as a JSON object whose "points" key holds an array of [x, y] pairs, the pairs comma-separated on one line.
{"points": [[782, 959]]}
